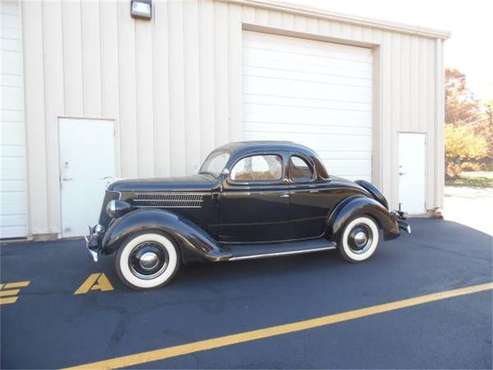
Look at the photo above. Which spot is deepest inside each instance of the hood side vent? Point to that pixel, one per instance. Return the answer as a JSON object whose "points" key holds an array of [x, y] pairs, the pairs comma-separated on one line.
{"points": [[168, 200]]}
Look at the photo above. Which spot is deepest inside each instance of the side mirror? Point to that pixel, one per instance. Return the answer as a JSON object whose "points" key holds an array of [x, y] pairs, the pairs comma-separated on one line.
{"points": [[225, 172]]}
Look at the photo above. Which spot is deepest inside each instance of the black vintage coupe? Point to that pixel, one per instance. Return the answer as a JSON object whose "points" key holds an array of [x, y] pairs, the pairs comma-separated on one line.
{"points": [[249, 200]]}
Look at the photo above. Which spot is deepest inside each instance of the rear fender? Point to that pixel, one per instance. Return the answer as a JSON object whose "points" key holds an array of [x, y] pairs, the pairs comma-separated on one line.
{"points": [[361, 206], [186, 233]]}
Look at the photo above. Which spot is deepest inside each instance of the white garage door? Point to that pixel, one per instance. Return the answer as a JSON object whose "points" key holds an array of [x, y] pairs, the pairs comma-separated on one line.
{"points": [[314, 93], [13, 199]]}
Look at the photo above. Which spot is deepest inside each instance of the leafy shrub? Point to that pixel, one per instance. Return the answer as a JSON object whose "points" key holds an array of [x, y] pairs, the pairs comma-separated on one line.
{"points": [[463, 145]]}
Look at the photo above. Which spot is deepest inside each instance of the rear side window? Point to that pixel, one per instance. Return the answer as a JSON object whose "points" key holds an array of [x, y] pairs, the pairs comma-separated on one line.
{"points": [[257, 168], [299, 170]]}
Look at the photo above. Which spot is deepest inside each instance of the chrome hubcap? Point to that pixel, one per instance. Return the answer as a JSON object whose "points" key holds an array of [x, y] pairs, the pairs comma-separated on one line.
{"points": [[148, 260], [360, 238]]}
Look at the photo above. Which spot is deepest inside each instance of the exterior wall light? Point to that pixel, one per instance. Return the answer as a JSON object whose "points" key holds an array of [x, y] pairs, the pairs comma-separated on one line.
{"points": [[141, 9]]}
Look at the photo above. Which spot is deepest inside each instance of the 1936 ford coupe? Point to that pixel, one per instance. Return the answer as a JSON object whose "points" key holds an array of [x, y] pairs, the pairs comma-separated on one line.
{"points": [[249, 200]]}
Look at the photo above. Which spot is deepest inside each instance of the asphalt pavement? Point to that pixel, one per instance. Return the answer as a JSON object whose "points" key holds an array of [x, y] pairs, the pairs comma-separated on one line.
{"points": [[44, 324]]}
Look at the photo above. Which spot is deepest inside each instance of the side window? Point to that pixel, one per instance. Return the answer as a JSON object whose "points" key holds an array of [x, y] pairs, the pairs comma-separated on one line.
{"points": [[258, 168], [299, 170]]}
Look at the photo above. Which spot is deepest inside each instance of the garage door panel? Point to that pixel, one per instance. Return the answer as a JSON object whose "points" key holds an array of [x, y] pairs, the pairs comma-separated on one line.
{"points": [[10, 45], [9, 185], [301, 89], [14, 220], [11, 62], [342, 155], [296, 128], [12, 133], [11, 80], [12, 97], [303, 76], [350, 166], [316, 142], [13, 190], [11, 116], [13, 203], [13, 168], [287, 101], [324, 75], [12, 151], [315, 93], [13, 231], [308, 115], [259, 58], [295, 45]]}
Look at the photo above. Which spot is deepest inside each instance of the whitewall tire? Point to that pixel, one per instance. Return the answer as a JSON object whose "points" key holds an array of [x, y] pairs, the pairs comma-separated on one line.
{"points": [[147, 260], [359, 239]]}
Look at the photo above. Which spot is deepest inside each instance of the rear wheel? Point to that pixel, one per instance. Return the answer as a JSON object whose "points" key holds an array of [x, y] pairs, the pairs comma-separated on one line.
{"points": [[359, 239], [147, 260]]}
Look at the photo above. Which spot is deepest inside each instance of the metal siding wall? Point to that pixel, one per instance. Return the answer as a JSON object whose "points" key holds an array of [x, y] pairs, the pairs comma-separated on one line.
{"points": [[160, 94], [54, 103], [34, 92], [173, 86], [191, 81]]}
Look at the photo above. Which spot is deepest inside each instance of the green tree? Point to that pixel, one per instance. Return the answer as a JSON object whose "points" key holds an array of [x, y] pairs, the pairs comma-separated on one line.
{"points": [[462, 145], [469, 127]]}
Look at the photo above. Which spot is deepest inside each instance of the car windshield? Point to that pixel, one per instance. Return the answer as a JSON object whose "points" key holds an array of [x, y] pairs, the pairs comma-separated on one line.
{"points": [[214, 163]]}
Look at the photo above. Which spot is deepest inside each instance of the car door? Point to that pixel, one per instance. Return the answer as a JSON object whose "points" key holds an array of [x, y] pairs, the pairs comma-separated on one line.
{"points": [[254, 203], [308, 207]]}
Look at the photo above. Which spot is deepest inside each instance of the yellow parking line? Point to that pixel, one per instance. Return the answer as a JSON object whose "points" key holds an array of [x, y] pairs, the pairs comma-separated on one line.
{"points": [[6, 293], [88, 283], [228, 340], [17, 284], [8, 300]]}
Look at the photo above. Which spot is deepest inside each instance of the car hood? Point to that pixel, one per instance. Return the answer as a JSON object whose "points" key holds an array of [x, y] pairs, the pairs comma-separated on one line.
{"points": [[182, 183]]}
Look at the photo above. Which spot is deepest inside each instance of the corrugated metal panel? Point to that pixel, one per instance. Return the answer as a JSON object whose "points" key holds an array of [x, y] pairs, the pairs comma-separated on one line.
{"points": [[173, 85], [34, 88]]}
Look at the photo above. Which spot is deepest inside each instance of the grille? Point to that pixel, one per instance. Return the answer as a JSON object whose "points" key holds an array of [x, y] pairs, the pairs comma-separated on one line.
{"points": [[168, 200]]}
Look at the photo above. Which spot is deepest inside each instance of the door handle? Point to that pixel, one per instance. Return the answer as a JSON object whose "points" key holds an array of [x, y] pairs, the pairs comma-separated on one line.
{"points": [[67, 178], [401, 173], [284, 195]]}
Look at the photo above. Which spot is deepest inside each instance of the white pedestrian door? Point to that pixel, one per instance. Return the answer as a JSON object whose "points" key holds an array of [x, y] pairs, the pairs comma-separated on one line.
{"points": [[87, 161], [412, 151]]}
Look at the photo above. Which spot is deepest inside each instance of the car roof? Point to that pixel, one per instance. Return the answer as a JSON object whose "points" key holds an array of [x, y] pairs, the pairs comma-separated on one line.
{"points": [[241, 149], [245, 147]]}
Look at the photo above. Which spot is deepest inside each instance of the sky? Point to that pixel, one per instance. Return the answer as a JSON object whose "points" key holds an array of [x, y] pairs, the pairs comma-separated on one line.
{"points": [[470, 47]]}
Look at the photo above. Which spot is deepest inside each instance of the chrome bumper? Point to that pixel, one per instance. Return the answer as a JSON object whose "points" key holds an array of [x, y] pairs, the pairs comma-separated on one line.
{"points": [[404, 226], [400, 218], [92, 241]]}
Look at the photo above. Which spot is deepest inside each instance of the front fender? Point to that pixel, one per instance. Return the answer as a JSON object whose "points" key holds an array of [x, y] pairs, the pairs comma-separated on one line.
{"points": [[186, 233], [360, 206]]}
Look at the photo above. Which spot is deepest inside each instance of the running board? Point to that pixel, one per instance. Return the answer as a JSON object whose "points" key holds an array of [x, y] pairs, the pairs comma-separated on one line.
{"points": [[252, 251]]}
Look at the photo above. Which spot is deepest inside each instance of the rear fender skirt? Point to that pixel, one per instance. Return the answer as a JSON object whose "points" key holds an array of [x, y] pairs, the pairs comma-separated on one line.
{"points": [[186, 233], [359, 206]]}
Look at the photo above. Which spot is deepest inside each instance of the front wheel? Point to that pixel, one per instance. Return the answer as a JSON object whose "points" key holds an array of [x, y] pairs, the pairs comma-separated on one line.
{"points": [[147, 260], [359, 239]]}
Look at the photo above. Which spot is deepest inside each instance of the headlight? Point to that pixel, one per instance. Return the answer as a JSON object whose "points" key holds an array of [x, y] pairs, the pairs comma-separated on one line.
{"points": [[116, 208]]}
